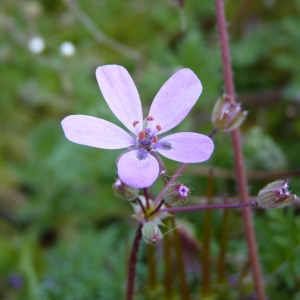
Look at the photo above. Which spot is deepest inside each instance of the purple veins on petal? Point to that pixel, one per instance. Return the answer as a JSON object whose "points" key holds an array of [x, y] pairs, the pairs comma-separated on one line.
{"points": [[186, 147], [95, 132], [138, 168], [175, 99], [121, 95], [166, 145]]}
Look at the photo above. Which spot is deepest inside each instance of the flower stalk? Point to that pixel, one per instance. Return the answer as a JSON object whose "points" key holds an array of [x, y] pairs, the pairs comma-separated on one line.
{"points": [[207, 207], [132, 263], [205, 262], [223, 247], [180, 262], [238, 156]]}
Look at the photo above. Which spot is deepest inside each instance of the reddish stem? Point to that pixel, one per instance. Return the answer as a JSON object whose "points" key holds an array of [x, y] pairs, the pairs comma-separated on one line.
{"points": [[238, 156], [146, 197], [132, 263], [206, 207]]}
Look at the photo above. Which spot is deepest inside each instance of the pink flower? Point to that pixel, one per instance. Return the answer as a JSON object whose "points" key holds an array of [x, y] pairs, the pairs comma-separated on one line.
{"points": [[138, 167]]}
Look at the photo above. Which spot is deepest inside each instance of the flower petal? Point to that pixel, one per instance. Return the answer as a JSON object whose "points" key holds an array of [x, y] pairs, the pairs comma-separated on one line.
{"points": [[186, 147], [121, 95], [95, 132], [138, 168], [175, 99]]}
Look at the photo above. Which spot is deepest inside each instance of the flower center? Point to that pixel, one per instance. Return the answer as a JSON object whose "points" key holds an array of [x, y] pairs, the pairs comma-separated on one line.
{"points": [[147, 137]]}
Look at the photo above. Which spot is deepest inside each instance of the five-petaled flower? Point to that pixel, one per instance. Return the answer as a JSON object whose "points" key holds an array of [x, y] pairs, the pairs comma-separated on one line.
{"points": [[139, 167]]}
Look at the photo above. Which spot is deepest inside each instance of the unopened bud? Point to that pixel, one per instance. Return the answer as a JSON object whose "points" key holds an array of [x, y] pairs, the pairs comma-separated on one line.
{"points": [[176, 194], [151, 233], [275, 194], [124, 191], [227, 115]]}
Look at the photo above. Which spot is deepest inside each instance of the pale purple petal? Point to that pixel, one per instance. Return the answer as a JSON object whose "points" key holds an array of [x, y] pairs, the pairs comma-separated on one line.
{"points": [[138, 168], [121, 95], [185, 147], [175, 99], [95, 132]]}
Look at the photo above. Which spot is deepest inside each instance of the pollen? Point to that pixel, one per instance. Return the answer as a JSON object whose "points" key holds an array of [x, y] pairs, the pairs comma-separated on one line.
{"points": [[142, 135], [135, 122], [149, 118], [155, 139], [158, 127]]}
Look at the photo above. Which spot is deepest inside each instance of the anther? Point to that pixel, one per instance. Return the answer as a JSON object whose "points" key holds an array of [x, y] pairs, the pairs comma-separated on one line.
{"points": [[135, 122], [158, 127], [142, 135], [155, 139], [149, 118]]}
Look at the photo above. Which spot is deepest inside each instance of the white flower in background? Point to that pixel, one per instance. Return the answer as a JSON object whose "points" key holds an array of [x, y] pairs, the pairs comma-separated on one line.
{"points": [[36, 45], [67, 49]]}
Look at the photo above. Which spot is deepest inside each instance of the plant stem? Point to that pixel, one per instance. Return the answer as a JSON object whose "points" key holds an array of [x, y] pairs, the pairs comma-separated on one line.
{"points": [[151, 267], [238, 156], [168, 271], [132, 263], [205, 264], [180, 262], [157, 208], [174, 177], [223, 246], [206, 207], [146, 197], [141, 205]]}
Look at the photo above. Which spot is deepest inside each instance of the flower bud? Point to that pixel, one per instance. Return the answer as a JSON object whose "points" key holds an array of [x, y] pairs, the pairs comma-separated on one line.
{"points": [[227, 115], [124, 191], [151, 233], [275, 194], [176, 194]]}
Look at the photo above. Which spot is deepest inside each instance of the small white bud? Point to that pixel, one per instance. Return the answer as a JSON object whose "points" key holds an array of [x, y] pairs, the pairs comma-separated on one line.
{"points": [[36, 45], [67, 49], [151, 233]]}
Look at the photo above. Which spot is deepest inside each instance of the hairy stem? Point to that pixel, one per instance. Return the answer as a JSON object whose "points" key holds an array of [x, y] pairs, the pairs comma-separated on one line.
{"points": [[206, 207], [174, 177], [238, 156], [132, 263]]}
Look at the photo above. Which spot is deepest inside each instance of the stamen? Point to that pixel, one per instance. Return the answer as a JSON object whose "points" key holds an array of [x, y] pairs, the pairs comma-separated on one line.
{"points": [[155, 139], [142, 135], [135, 122], [149, 118], [147, 131], [158, 127]]}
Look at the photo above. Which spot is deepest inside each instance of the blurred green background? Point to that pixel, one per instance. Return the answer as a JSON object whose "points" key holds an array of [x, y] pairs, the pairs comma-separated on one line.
{"points": [[63, 234]]}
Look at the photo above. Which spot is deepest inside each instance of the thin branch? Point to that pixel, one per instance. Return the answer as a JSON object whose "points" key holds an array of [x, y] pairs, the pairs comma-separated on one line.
{"points": [[206, 207], [252, 175], [238, 155]]}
